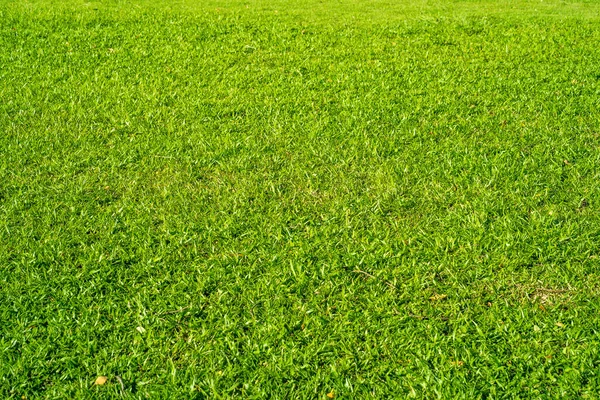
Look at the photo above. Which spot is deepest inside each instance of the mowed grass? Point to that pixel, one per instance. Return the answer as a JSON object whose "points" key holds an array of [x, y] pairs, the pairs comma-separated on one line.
{"points": [[294, 199]]}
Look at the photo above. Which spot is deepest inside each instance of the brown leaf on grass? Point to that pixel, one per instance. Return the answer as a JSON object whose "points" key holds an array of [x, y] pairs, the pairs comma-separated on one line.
{"points": [[457, 363], [101, 380]]}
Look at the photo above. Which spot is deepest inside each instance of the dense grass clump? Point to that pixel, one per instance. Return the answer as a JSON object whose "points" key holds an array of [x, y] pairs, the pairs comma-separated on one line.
{"points": [[299, 199]]}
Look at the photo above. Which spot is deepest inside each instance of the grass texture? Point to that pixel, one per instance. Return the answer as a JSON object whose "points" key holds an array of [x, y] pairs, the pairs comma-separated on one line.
{"points": [[317, 199]]}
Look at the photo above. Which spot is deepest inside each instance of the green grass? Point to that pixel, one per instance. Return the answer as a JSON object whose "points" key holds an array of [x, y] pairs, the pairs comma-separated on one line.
{"points": [[283, 199]]}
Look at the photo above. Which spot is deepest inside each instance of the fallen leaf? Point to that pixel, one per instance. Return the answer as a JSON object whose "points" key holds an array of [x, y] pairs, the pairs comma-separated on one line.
{"points": [[101, 380], [438, 297], [140, 329], [331, 395], [457, 363], [560, 324]]}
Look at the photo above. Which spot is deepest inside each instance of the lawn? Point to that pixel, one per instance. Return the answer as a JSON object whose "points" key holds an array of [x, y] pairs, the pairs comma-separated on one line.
{"points": [[315, 199]]}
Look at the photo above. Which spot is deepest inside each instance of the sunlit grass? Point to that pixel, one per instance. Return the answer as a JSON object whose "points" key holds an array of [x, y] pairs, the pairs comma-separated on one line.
{"points": [[290, 199]]}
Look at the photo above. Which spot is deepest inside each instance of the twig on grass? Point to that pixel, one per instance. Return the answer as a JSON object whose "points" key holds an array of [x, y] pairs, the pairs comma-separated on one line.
{"points": [[552, 291], [358, 271], [175, 311], [424, 317], [121, 383], [421, 317]]}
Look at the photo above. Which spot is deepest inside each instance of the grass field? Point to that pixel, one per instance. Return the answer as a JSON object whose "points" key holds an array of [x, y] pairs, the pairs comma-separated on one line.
{"points": [[316, 199]]}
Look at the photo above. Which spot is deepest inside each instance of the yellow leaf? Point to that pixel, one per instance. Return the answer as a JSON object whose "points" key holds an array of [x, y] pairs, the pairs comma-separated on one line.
{"points": [[438, 297], [101, 380], [331, 395], [560, 324]]}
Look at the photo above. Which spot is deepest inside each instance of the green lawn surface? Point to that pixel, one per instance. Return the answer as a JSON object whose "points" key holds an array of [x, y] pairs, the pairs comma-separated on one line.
{"points": [[300, 199]]}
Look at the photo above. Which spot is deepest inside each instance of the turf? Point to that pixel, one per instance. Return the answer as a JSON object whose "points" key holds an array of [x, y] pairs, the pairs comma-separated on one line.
{"points": [[299, 199]]}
